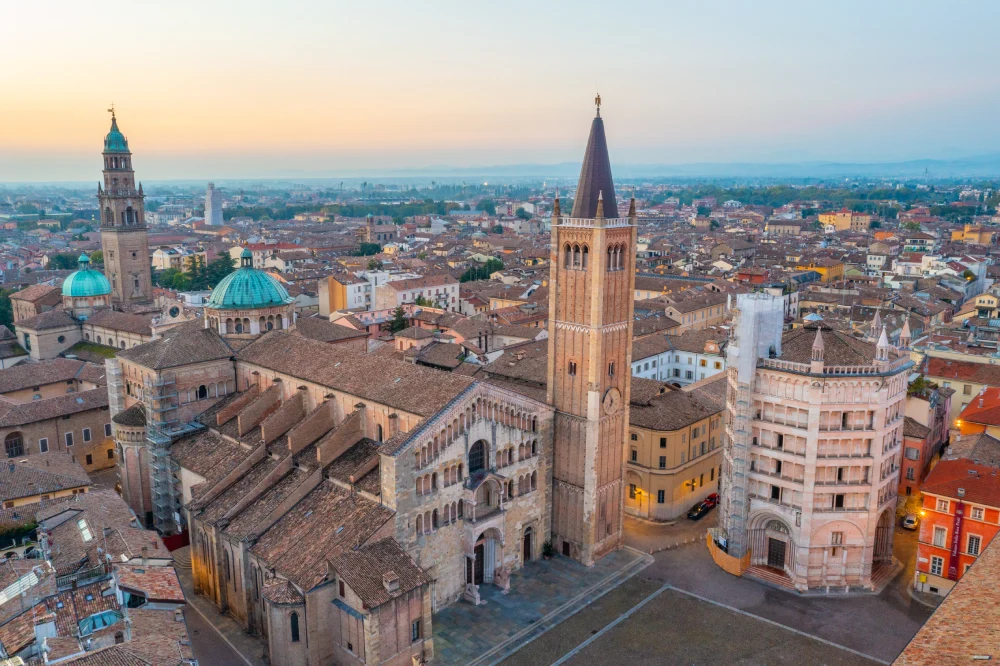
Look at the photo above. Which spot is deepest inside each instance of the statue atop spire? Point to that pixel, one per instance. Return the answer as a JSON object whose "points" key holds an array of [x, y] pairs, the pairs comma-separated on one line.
{"points": [[597, 103]]}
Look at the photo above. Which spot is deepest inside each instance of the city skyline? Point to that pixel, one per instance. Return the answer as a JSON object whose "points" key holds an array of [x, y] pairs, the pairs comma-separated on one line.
{"points": [[313, 90]]}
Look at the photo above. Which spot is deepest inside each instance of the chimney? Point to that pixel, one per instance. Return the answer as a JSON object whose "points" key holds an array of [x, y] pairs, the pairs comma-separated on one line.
{"points": [[961, 492], [391, 582], [393, 424]]}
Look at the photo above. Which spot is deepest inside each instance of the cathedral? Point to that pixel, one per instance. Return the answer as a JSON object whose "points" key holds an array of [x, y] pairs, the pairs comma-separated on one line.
{"points": [[336, 499]]}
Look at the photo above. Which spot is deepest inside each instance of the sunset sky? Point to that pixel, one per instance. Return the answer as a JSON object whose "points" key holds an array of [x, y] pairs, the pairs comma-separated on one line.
{"points": [[258, 88]]}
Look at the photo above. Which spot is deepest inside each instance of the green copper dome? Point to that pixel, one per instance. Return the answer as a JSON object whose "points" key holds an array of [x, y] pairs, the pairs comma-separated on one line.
{"points": [[248, 288], [86, 281], [115, 141]]}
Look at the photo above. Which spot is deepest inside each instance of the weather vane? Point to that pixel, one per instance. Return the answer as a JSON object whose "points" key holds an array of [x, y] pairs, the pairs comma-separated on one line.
{"points": [[112, 110], [597, 101]]}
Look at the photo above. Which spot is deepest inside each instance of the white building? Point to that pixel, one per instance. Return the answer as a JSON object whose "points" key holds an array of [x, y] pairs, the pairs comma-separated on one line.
{"points": [[680, 359], [811, 456], [213, 206]]}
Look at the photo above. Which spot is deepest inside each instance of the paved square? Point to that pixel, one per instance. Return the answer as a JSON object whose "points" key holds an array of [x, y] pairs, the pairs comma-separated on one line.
{"points": [[540, 594]]}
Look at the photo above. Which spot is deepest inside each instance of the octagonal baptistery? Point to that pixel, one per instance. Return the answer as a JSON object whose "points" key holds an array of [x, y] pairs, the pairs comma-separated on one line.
{"points": [[85, 290], [248, 302]]}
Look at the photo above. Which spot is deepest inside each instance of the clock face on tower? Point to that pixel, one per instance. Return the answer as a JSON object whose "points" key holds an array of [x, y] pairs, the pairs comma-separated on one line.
{"points": [[612, 400]]}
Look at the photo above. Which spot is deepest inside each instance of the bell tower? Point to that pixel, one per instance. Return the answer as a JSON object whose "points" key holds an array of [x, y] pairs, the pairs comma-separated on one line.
{"points": [[592, 284], [124, 240]]}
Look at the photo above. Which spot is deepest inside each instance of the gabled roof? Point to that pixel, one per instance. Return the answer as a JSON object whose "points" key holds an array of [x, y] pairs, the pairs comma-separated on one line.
{"points": [[44, 473], [363, 570], [187, 343]]}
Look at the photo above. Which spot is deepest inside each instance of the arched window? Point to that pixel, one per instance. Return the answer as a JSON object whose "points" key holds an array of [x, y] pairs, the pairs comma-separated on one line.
{"points": [[611, 259], [434, 481], [568, 263], [477, 457], [534, 480], [121, 343], [13, 445], [434, 519], [294, 620], [239, 326], [586, 256], [202, 392], [420, 524], [378, 432], [576, 256]]}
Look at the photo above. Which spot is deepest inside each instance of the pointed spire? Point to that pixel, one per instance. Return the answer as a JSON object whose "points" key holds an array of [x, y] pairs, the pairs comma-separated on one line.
{"points": [[882, 347], [600, 205], [631, 204], [905, 336], [818, 346], [556, 209], [595, 175], [876, 323]]}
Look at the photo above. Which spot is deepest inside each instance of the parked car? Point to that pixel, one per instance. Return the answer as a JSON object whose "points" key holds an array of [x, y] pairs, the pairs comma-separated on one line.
{"points": [[712, 500], [699, 510], [910, 521]]}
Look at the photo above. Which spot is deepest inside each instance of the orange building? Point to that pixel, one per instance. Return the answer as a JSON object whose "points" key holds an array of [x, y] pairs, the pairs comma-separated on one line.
{"points": [[982, 414], [961, 512]]}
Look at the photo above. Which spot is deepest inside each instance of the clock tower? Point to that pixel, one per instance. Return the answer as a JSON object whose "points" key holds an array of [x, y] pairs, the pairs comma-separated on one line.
{"points": [[124, 240], [592, 282]]}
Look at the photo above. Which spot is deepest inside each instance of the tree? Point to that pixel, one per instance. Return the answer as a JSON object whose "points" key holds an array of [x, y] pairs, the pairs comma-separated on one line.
{"points": [[62, 262], [97, 257], [368, 249], [713, 225], [704, 211], [6, 308], [498, 229], [482, 272], [398, 321], [422, 302], [523, 214], [488, 206], [374, 265]]}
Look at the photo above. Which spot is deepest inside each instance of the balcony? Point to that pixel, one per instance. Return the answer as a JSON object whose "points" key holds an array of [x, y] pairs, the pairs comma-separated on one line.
{"points": [[840, 509], [784, 504], [829, 484], [776, 475]]}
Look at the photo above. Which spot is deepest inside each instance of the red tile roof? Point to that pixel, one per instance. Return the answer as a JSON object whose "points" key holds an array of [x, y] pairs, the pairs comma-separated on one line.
{"points": [[980, 483]]}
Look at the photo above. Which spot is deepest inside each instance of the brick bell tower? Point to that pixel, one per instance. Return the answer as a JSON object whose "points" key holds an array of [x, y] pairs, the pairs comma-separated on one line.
{"points": [[124, 238], [592, 283]]}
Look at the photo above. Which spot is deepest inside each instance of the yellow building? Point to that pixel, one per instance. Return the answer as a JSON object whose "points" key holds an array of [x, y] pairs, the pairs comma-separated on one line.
{"points": [[830, 270], [973, 233], [674, 452], [44, 476], [844, 220]]}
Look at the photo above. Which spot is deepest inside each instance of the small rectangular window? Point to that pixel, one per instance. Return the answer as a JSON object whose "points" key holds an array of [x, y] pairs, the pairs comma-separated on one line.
{"points": [[634, 437], [940, 536], [663, 442], [341, 588], [942, 505], [838, 501], [977, 513], [975, 542], [86, 434], [937, 565], [90, 459], [69, 439], [635, 455], [111, 454], [107, 430], [415, 631], [663, 462], [43, 445], [661, 496]]}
